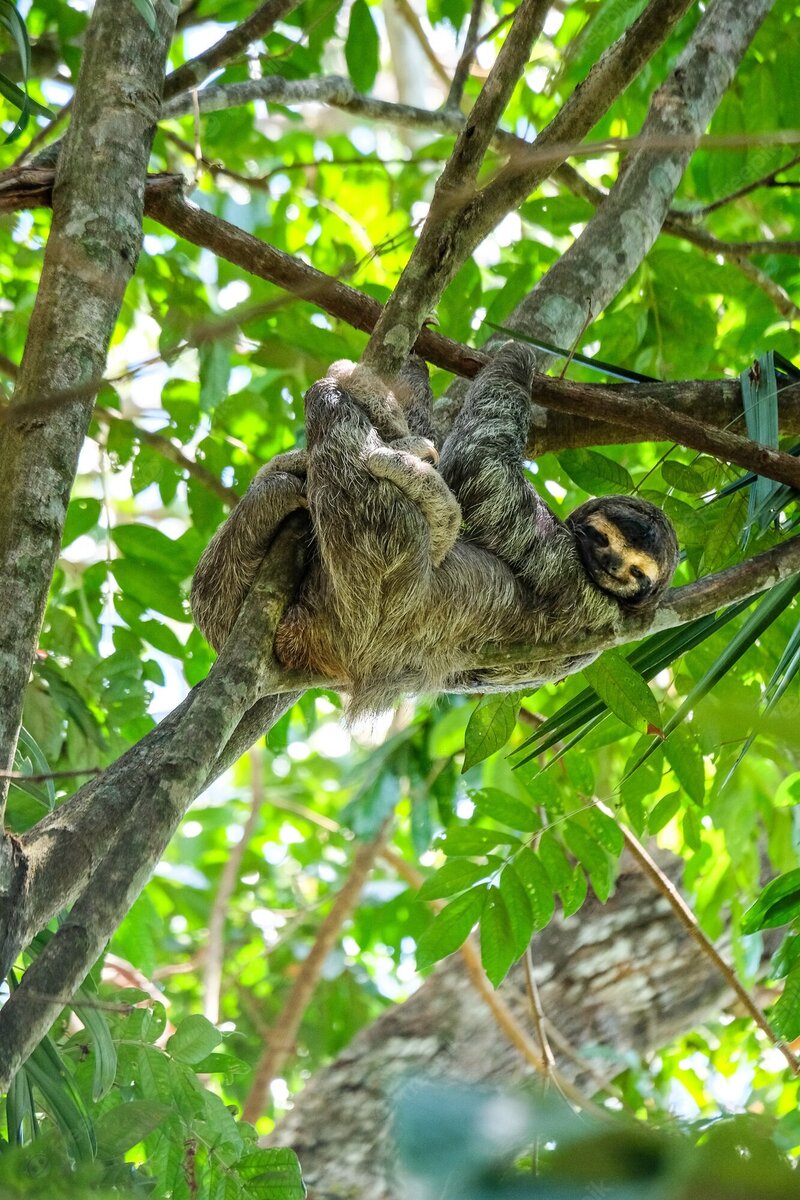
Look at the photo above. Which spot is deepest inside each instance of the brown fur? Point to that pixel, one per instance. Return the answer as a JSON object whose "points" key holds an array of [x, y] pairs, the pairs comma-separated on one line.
{"points": [[412, 569]]}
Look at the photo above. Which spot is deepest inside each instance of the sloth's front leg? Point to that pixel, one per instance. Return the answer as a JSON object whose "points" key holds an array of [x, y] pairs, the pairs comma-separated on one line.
{"points": [[421, 483]]}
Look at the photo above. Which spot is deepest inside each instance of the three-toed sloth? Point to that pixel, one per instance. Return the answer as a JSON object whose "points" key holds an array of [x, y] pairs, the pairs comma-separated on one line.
{"points": [[415, 566]]}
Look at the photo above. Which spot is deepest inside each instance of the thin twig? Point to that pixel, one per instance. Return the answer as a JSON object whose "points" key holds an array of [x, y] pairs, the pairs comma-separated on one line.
{"points": [[537, 1015], [215, 956], [415, 25], [687, 918], [232, 46], [284, 1029], [765, 181], [464, 64]]}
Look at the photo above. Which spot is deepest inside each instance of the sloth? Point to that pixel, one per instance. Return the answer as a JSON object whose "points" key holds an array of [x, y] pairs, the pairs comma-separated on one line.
{"points": [[416, 560]]}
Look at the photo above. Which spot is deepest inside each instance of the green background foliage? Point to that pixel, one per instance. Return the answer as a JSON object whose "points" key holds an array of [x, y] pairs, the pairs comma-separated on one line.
{"points": [[505, 829]]}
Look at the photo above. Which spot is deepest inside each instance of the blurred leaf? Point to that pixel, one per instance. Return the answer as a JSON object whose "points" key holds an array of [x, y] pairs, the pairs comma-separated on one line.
{"points": [[361, 49], [449, 928], [778, 904]]}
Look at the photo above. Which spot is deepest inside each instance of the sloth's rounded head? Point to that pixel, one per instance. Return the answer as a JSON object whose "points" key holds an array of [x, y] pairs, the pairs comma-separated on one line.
{"points": [[627, 546]]}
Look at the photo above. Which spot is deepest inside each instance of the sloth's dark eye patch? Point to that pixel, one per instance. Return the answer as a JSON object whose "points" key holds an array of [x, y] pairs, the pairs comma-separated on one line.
{"points": [[594, 535], [638, 574]]}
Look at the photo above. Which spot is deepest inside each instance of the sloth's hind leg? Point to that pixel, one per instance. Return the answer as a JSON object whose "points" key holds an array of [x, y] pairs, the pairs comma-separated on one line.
{"points": [[422, 484], [232, 558]]}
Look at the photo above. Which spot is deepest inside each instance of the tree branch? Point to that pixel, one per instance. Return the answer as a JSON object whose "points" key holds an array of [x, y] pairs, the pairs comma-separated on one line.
{"points": [[168, 783], [438, 253], [644, 414], [686, 411], [588, 276], [91, 252], [233, 45], [464, 64], [678, 607], [606, 81], [684, 914], [681, 226]]}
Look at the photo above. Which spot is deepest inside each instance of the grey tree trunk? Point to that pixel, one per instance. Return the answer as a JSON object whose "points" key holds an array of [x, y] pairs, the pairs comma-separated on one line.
{"points": [[621, 977]]}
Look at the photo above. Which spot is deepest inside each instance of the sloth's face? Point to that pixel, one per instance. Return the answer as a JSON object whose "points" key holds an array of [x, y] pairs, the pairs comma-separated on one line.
{"points": [[627, 546]]}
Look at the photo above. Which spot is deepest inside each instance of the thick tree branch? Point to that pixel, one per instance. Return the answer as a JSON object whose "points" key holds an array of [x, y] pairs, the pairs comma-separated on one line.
{"points": [[678, 607], [232, 46], [459, 218], [588, 276], [162, 792], [90, 256], [643, 414], [680, 412]]}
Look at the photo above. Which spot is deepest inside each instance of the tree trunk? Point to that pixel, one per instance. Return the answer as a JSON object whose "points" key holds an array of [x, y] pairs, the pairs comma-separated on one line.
{"points": [[623, 976]]}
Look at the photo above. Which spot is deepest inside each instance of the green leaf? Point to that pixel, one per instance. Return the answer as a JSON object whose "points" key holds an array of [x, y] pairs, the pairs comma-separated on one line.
{"points": [[194, 1039], [125, 1125], [13, 22], [592, 857], [785, 1014], [497, 942], [518, 909], [490, 726], [574, 893], [215, 373], [506, 809], [722, 539], [150, 587], [454, 876], [554, 860], [606, 830], [149, 545], [624, 690], [103, 1046], [684, 478], [684, 756], [82, 515], [62, 1100], [472, 840], [663, 812], [538, 887], [273, 1173], [778, 904], [595, 472], [362, 47], [449, 928]]}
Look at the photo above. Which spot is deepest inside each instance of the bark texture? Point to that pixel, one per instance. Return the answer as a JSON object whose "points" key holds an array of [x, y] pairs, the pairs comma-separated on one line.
{"points": [[614, 243], [94, 243], [622, 977]]}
